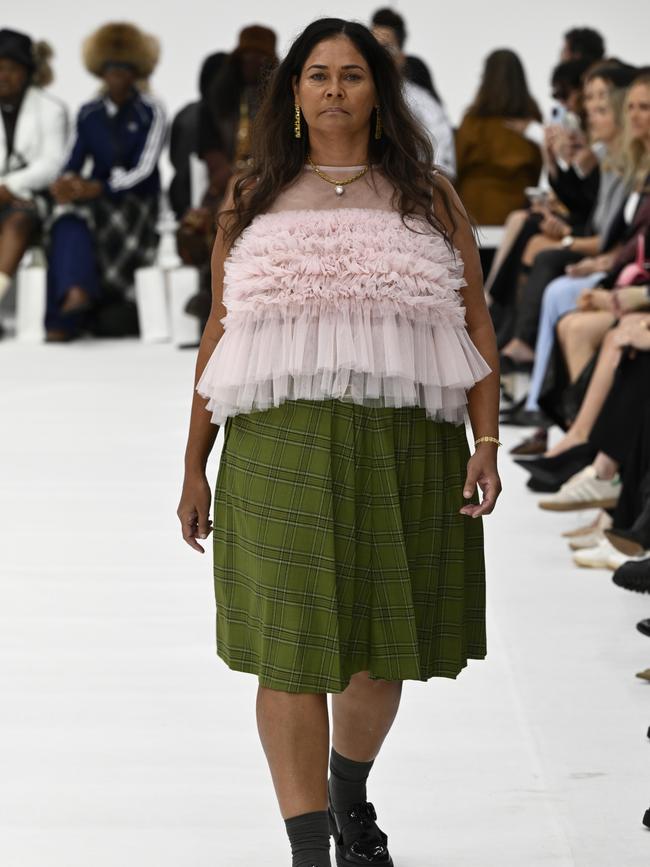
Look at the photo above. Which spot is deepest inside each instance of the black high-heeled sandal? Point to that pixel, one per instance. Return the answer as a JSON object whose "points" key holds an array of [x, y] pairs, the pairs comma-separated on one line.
{"points": [[366, 842]]}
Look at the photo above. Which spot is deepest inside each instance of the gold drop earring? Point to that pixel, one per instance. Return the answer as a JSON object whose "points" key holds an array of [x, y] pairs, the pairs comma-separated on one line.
{"points": [[378, 128], [296, 121]]}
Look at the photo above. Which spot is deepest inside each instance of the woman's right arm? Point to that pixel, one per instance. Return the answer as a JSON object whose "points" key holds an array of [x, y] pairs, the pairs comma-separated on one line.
{"points": [[194, 507]]}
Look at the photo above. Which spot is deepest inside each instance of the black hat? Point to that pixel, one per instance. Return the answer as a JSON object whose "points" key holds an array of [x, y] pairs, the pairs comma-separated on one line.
{"points": [[17, 46]]}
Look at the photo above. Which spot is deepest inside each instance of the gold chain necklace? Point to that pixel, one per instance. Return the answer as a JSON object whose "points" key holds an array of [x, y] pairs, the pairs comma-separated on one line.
{"points": [[341, 183]]}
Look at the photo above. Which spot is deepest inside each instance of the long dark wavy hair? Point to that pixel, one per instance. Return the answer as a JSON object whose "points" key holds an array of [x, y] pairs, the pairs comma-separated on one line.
{"points": [[504, 89], [404, 153]]}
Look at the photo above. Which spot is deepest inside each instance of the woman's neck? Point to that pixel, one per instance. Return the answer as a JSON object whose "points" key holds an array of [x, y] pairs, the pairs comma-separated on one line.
{"points": [[338, 151]]}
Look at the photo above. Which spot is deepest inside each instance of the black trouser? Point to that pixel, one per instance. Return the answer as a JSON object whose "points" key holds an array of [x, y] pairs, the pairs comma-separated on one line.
{"points": [[622, 431], [505, 283], [504, 288], [548, 265]]}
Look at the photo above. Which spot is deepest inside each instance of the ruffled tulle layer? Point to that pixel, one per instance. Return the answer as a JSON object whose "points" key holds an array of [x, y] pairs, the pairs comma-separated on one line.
{"points": [[377, 357], [334, 256]]}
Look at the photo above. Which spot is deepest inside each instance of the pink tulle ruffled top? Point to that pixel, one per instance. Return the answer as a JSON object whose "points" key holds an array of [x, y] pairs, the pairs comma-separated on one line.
{"points": [[332, 296]]}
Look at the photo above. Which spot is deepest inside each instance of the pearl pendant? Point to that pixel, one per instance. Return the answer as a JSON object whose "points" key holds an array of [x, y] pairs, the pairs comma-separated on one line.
{"points": [[339, 189]]}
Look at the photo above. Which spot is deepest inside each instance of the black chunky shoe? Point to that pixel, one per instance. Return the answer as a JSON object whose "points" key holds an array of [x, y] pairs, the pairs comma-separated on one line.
{"points": [[358, 840], [633, 575]]}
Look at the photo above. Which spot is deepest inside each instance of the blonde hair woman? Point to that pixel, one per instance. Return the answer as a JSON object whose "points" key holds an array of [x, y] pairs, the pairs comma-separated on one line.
{"points": [[582, 331]]}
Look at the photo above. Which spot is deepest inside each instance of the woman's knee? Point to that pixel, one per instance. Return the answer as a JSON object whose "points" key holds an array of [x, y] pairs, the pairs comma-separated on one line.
{"points": [[515, 218], [536, 245], [568, 326], [18, 224]]}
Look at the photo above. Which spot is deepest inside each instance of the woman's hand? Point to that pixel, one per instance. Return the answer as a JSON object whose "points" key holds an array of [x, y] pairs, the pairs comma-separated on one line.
{"points": [[194, 510], [596, 299], [590, 265], [482, 470], [634, 330], [584, 268], [554, 227], [629, 298], [61, 190]]}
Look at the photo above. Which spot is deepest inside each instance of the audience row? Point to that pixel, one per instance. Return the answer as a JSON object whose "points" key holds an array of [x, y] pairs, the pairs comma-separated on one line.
{"points": [[89, 193]]}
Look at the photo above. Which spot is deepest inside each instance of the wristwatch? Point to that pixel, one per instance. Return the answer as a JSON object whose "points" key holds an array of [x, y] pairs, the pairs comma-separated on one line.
{"points": [[567, 242]]}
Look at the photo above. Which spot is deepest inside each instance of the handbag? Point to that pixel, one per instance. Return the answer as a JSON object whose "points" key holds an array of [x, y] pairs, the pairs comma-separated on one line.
{"points": [[637, 272]]}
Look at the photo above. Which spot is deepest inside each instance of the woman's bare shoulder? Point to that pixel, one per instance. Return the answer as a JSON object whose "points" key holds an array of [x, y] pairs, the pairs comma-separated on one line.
{"points": [[447, 205]]}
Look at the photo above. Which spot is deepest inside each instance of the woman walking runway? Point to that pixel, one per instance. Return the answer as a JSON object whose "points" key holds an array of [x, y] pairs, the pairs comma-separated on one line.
{"points": [[348, 336]]}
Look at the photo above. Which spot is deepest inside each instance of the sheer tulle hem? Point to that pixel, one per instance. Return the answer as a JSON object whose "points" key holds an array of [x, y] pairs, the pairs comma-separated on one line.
{"points": [[382, 360], [441, 404]]}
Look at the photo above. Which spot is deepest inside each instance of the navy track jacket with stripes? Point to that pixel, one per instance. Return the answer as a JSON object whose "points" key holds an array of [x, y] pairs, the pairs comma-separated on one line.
{"points": [[123, 143]]}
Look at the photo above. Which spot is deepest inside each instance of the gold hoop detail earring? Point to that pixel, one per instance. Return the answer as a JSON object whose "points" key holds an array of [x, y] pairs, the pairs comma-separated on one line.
{"points": [[296, 122], [378, 127]]}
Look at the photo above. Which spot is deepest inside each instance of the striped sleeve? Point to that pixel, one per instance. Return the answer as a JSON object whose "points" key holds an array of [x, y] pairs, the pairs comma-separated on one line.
{"points": [[125, 179]]}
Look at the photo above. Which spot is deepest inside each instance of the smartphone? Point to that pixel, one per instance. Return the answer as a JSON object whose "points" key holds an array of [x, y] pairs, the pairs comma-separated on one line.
{"points": [[571, 122], [536, 195], [558, 113]]}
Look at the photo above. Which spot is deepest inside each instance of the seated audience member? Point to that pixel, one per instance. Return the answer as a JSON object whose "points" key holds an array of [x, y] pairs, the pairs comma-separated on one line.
{"points": [[605, 120], [550, 237], [522, 225], [105, 224], [231, 106], [388, 28], [33, 139], [580, 333], [610, 446], [571, 159], [414, 69], [184, 137], [226, 116], [582, 43], [495, 163]]}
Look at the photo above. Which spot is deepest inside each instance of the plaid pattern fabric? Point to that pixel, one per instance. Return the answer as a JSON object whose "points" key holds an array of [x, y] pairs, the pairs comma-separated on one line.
{"points": [[338, 547], [125, 235]]}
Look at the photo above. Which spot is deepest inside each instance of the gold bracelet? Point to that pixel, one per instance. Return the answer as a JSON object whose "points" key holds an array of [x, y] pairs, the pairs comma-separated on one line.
{"points": [[487, 440]]}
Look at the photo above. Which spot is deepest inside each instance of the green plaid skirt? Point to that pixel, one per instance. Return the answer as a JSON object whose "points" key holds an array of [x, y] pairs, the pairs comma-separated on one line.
{"points": [[338, 547]]}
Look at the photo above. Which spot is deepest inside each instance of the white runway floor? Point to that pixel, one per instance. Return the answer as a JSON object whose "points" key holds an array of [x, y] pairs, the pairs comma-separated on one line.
{"points": [[125, 740]]}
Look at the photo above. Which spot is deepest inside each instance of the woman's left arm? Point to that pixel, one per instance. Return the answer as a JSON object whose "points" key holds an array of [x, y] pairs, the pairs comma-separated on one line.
{"points": [[483, 398]]}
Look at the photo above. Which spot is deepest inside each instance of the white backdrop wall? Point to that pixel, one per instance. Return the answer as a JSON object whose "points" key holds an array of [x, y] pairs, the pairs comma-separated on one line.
{"points": [[452, 37]]}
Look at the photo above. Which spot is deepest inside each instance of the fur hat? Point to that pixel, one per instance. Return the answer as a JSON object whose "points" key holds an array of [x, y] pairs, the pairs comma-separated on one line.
{"points": [[121, 42]]}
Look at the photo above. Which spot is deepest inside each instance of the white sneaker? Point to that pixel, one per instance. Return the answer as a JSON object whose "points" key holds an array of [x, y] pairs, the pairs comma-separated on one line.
{"points": [[602, 521], [584, 491], [589, 540], [597, 557], [602, 556]]}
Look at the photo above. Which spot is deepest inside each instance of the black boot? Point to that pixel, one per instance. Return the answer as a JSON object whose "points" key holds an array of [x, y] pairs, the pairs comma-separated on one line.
{"points": [[633, 575]]}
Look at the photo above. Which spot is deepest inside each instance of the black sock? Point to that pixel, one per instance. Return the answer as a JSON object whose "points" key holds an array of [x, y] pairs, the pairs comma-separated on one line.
{"points": [[347, 783], [309, 836]]}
